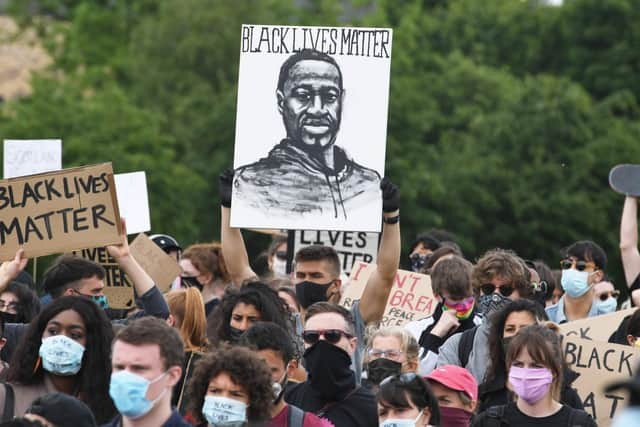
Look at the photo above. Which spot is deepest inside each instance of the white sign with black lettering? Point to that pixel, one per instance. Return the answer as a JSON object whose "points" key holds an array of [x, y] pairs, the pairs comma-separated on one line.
{"points": [[30, 156]]}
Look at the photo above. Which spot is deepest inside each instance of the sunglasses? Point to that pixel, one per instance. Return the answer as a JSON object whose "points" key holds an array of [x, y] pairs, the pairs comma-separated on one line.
{"points": [[489, 288], [605, 295], [566, 264], [405, 378], [331, 335]]}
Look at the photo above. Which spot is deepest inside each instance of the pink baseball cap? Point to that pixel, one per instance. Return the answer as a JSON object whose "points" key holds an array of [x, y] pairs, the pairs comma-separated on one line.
{"points": [[455, 378]]}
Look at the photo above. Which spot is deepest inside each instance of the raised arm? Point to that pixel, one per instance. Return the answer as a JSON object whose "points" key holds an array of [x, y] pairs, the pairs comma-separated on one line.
{"points": [[233, 249], [376, 292], [629, 240], [9, 270]]}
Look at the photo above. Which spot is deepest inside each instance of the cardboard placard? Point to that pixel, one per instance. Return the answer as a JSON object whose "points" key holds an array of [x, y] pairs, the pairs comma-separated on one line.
{"points": [[411, 297], [31, 156], [597, 328], [311, 127], [59, 211], [162, 268], [599, 364], [351, 246], [133, 201]]}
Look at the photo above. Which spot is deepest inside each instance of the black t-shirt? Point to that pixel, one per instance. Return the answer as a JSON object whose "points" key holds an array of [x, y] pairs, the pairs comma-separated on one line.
{"points": [[515, 417], [358, 409]]}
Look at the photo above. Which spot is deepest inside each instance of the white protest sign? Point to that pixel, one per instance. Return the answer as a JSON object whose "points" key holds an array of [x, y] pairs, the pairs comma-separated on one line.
{"points": [[311, 127], [600, 364], [30, 156], [351, 246], [133, 201], [598, 328], [411, 296]]}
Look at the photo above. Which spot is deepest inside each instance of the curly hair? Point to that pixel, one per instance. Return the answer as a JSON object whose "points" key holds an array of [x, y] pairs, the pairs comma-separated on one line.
{"points": [[94, 375], [28, 301], [504, 264], [245, 369], [261, 296]]}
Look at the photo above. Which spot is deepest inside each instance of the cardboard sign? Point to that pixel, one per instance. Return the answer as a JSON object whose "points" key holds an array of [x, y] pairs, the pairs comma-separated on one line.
{"points": [[597, 328], [162, 268], [411, 297], [311, 127], [133, 201], [599, 364], [31, 156], [58, 212], [351, 246]]}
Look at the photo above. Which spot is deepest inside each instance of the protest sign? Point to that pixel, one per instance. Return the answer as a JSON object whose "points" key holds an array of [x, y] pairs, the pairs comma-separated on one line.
{"points": [[597, 328], [599, 364], [311, 128], [58, 211], [411, 297], [133, 201], [31, 156], [351, 246], [162, 268]]}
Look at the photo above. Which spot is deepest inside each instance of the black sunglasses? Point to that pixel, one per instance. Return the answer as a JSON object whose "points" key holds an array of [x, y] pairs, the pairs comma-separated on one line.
{"points": [[566, 264], [605, 296], [489, 288], [331, 335]]}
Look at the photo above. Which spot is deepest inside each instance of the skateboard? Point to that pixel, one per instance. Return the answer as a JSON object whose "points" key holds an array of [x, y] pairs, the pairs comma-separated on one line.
{"points": [[625, 179]]}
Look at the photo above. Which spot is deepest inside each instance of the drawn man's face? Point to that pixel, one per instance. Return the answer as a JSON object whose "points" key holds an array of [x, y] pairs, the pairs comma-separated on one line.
{"points": [[311, 103]]}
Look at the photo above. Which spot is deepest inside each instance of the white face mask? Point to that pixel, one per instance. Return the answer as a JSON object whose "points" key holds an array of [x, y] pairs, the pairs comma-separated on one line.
{"points": [[397, 422], [279, 266]]}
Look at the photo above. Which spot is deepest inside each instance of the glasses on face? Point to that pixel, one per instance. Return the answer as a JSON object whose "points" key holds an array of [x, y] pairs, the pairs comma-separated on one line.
{"points": [[331, 335], [376, 353], [580, 265], [405, 378], [11, 305], [605, 295], [504, 290]]}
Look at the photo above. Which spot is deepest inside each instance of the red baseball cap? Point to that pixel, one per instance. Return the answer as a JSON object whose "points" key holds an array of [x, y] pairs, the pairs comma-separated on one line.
{"points": [[455, 378]]}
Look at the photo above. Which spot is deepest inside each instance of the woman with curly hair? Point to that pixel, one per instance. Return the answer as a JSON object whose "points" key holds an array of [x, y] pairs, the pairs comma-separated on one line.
{"points": [[66, 349], [241, 308], [18, 303], [232, 385]]}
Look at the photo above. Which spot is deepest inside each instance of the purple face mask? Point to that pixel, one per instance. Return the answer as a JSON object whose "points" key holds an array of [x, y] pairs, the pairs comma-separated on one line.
{"points": [[530, 384]]}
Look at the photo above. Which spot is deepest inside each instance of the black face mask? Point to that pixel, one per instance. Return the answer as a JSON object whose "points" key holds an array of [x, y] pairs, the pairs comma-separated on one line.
{"points": [[9, 317], [235, 334], [328, 371], [417, 261], [491, 303], [191, 282], [379, 369], [309, 293]]}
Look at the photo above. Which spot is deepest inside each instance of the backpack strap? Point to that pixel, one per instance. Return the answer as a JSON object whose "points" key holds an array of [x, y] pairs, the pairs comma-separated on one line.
{"points": [[9, 402], [465, 345], [578, 418], [295, 417]]}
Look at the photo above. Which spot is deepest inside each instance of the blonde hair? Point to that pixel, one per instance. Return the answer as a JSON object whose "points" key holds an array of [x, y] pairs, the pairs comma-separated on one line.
{"points": [[187, 306], [408, 343]]}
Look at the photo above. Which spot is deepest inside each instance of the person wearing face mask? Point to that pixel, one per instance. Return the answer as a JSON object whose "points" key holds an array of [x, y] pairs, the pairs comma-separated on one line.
{"points": [[231, 387], [606, 296], [203, 267], [65, 349], [505, 324], [277, 257], [457, 394], [534, 362], [583, 266], [420, 250], [391, 350], [18, 303], [316, 274], [499, 276], [406, 400], [146, 363], [331, 390], [273, 345], [456, 310]]}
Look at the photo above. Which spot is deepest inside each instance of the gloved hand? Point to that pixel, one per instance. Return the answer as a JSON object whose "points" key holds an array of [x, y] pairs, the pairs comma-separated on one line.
{"points": [[225, 187], [390, 195]]}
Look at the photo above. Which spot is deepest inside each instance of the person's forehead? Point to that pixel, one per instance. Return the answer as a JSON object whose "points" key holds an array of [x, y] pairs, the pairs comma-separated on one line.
{"points": [[312, 70], [8, 296], [136, 354], [272, 358], [246, 309], [326, 321], [520, 317], [321, 266], [603, 287], [187, 265], [386, 343]]}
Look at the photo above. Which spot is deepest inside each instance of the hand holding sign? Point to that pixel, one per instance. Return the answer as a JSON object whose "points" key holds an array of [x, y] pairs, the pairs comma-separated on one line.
{"points": [[120, 251], [9, 270]]}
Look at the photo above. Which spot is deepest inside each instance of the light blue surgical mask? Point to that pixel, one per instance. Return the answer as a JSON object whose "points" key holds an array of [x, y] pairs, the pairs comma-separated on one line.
{"points": [[61, 355], [607, 306], [396, 422], [574, 282], [129, 393], [223, 412], [629, 416]]}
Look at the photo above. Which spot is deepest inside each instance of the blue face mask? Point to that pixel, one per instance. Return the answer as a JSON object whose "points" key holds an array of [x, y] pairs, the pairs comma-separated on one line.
{"points": [[629, 416], [129, 393], [61, 355], [101, 300], [607, 306], [575, 283], [223, 412], [396, 422]]}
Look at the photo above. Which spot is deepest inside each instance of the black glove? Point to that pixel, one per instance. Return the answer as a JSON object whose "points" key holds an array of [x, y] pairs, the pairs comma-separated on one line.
{"points": [[390, 195], [226, 184]]}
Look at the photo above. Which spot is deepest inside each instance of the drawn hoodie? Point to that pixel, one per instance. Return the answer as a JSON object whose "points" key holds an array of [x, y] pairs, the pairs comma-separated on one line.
{"points": [[295, 180]]}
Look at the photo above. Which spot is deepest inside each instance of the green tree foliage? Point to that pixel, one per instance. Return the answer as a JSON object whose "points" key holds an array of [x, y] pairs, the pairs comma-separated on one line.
{"points": [[505, 115]]}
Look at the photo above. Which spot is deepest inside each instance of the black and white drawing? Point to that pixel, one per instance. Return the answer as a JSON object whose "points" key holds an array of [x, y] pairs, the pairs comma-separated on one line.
{"points": [[312, 177]]}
